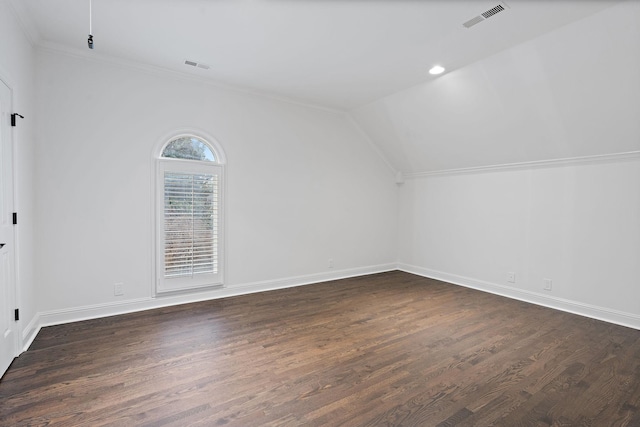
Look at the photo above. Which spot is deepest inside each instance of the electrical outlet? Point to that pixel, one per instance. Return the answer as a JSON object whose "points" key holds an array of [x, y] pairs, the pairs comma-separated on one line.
{"points": [[547, 284], [511, 277], [118, 289], [330, 263]]}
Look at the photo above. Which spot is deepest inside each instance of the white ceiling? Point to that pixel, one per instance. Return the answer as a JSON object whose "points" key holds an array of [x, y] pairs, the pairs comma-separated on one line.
{"points": [[571, 93], [339, 54]]}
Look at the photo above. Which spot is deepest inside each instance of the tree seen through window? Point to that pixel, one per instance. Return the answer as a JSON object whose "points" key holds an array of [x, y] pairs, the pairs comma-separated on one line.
{"points": [[188, 148]]}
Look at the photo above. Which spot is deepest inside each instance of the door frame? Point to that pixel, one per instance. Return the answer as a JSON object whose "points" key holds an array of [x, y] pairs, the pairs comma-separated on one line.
{"points": [[13, 253]]}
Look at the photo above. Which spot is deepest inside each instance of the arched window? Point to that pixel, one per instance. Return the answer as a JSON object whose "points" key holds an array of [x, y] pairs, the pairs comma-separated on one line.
{"points": [[188, 148], [189, 215]]}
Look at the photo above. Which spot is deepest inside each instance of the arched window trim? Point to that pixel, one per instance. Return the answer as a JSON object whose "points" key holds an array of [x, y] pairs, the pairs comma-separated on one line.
{"points": [[160, 166]]}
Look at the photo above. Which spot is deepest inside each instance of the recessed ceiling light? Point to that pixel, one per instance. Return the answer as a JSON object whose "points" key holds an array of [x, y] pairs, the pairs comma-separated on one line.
{"points": [[436, 69]]}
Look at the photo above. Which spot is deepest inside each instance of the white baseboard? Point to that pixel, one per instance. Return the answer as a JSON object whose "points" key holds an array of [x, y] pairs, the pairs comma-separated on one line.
{"points": [[75, 314], [30, 331], [600, 313]]}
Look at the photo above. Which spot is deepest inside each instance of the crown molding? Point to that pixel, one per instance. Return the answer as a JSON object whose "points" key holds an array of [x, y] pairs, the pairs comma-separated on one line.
{"points": [[538, 164], [58, 49]]}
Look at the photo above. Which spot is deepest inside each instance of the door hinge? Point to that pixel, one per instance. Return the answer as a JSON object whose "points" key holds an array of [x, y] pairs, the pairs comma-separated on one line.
{"points": [[15, 218], [13, 118], [17, 314]]}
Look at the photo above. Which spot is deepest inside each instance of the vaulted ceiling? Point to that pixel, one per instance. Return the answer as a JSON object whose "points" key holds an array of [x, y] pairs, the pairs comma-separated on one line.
{"points": [[335, 53], [568, 94], [537, 81]]}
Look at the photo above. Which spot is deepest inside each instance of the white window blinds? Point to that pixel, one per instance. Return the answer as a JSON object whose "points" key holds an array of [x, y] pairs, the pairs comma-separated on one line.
{"points": [[190, 224], [189, 201]]}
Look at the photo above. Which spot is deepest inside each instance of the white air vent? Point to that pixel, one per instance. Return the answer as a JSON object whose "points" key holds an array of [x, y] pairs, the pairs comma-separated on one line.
{"points": [[197, 64], [500, 7]]}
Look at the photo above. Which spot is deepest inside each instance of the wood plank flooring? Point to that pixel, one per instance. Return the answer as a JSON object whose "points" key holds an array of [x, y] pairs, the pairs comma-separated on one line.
{"points": [[390, 349]]}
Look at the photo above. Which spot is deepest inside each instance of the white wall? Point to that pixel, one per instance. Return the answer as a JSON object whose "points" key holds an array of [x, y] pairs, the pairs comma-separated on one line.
{"points": [[569, 94], [303, 186], [577, 224], [17, 60]]}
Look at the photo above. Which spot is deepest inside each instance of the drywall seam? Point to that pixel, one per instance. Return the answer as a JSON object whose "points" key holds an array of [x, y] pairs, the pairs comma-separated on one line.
{"points": [[587, 310], [539, 164]]}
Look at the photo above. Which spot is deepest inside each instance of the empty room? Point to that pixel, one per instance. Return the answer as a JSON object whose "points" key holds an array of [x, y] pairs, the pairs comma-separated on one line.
{"points": [[319, 213]]}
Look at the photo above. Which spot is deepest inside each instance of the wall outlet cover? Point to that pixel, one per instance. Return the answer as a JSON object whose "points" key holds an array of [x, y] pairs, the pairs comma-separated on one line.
{"points": [[118, 289]]}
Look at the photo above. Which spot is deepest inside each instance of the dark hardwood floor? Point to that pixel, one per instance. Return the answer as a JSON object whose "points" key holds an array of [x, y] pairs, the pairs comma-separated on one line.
{"points": [[384, 350]]}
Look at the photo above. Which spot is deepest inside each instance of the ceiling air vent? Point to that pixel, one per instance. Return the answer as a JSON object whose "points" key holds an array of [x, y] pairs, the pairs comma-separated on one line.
{"points": [[197, 64], [485, 15], [489, 13]]}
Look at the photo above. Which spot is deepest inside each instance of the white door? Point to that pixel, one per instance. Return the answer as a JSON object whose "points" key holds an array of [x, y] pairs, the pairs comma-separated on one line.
{"points": [[8, 326]]}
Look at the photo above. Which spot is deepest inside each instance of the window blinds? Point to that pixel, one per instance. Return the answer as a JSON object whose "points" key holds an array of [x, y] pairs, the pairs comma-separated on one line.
{"points": [[191, 214]]}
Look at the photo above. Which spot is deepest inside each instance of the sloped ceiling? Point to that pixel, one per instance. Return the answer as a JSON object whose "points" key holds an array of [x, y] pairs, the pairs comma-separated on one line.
{"points": [[518, 87], [571, 93], [335, 53]]}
